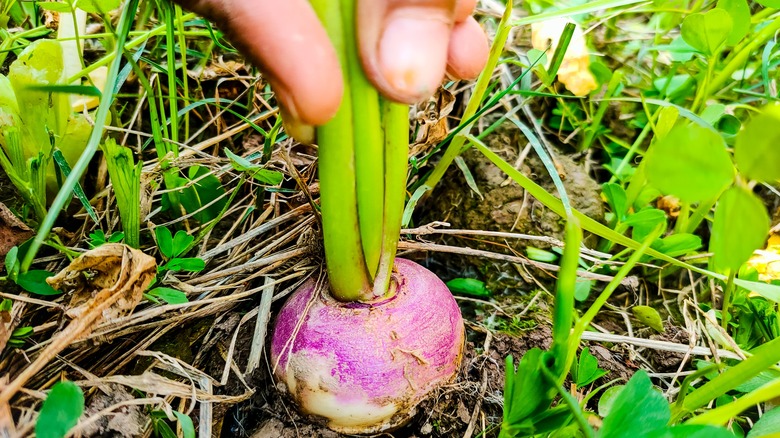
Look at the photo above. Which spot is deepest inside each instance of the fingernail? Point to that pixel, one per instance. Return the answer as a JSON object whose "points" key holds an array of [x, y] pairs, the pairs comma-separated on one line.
{"points": [[413, 55], [295, 128]]}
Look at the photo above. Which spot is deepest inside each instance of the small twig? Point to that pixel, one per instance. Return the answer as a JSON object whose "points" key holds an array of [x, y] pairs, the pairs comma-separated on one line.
{"points": [[656, 345], [261, 327]]}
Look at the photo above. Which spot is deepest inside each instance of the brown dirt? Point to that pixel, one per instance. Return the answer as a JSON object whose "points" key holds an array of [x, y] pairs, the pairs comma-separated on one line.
{"points": [[504, 205], [448, 413]]}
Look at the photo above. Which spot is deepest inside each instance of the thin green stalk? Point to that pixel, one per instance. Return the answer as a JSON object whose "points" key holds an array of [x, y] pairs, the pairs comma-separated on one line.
{"points": [[368, 138], [563, 313], [396, 123], [170, 41], [738, 60], [592, 129], [723, 414], [725, 314], [64, 195], [456, 145], [582, 324], [764, 357], [698, 215], [347, 271], [180, 34]]}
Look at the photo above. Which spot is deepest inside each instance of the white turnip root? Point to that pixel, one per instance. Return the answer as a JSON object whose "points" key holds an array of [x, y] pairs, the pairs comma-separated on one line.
{"points": [[364, 367]]}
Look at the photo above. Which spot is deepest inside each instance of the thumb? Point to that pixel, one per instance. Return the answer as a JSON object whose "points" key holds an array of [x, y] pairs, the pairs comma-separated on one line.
{"points": [[404, 45]]}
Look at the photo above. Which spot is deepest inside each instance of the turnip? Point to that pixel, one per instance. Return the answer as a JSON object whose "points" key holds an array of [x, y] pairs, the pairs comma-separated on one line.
{"points": [[362, 347]]}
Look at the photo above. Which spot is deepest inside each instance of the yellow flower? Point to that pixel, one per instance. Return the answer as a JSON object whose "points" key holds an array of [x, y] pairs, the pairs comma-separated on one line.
{"points": [[574, 72]]}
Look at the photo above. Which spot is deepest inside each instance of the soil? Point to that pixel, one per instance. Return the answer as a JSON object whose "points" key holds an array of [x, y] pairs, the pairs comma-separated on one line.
{"points": [[478, 390], [503, 205]]}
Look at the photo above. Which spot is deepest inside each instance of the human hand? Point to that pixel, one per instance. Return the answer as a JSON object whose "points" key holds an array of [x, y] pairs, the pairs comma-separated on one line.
{"points": [[406, 47]]}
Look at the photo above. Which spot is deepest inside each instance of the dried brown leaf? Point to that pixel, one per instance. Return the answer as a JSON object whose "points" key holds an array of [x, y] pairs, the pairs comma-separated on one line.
{"points": [[432, 117], [5, 328], [12, 230], [106, 282]]}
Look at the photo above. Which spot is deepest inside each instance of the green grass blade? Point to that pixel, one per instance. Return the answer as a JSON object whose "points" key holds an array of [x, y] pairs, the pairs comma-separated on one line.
{"points": [[63, 196], [62, 163]]}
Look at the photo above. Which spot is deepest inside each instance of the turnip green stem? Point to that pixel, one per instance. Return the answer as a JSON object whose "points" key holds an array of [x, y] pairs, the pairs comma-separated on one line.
{"points": [[347, 272], [363, 155]]}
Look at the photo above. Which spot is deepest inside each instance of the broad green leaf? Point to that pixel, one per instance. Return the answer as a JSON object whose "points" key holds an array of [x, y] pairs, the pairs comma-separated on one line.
{"points": [[741, 226], [540, 255], [204, 194], [708, 31], [34, 281], [187, 428], [587, 370], [98, 6], [677, 245], [767, 425], [40, 64], [639, 410], [667, 119], [56, 7], [739, 11], [468, 286], [607, 400], [60, 411], [169, 295], [11, 261], [164, 241], [616, 198], [713, 113], [188, 264], [644, 222], [756, 150], [691, 162], [582, 289], [693, 431], [649, 317], [257, 172], [181, 241], [770, 3], [525, 391]]}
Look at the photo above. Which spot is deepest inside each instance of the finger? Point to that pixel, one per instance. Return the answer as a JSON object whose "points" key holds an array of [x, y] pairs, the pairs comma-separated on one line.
{"points": [[468, 52], [287, 42], [403, 45], [464, 9]]}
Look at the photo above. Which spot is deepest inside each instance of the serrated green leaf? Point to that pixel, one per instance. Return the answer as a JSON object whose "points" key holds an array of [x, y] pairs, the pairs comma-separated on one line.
{"points": [[649, 317], [740, 227], [755, 151], [707, 32], [691, 162], [60, 411]]}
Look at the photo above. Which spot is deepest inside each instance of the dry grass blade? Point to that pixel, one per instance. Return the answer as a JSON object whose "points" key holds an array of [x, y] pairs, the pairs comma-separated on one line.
{"points": [[118, 276]]}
